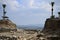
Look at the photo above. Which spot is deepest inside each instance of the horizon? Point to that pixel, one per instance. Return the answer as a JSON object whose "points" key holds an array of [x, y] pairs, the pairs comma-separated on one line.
{"points": [[29, 12]]}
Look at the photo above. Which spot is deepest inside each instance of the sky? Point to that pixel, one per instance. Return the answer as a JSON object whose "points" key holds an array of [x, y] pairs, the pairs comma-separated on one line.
{"points": [[27, 12]]}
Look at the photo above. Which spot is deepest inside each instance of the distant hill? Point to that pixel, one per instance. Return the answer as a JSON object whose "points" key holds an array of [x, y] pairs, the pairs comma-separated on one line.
{"points": [[31, 27]]}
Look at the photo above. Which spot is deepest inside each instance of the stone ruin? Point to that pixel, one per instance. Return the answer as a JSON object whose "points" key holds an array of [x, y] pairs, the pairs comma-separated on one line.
{"points": [[52, 27], [5, 23]]}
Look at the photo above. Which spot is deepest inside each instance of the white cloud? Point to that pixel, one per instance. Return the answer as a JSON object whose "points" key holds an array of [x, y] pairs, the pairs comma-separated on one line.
{"points": [[42, 5], [13, 4], [0, 0], [57, 7], [31, 3], [45, 5]]}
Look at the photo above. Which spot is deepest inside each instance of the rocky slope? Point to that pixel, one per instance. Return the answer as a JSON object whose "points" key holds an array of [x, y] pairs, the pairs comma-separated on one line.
{"points": [[7, 24]]}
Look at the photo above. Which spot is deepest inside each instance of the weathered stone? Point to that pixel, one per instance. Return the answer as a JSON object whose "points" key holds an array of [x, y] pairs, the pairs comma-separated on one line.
{"points": [[52, 26], [5, 23]]}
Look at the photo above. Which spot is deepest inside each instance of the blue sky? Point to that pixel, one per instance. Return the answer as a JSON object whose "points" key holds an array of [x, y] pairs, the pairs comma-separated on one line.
{"points": [[25, 12]]}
